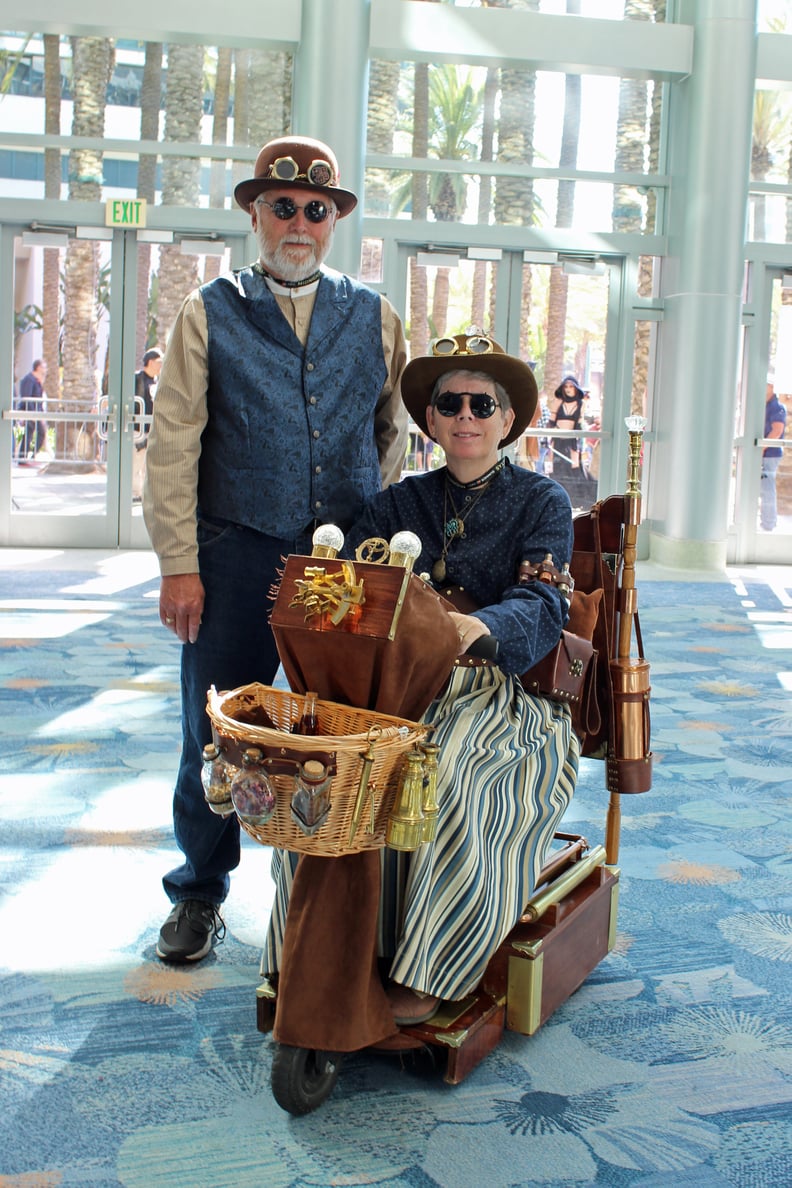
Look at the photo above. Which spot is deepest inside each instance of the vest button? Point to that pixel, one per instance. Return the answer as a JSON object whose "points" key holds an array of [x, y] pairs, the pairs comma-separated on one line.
{"points": [[309, 366], [317, 470], [318, 504], [312, 400], [316, 433]]}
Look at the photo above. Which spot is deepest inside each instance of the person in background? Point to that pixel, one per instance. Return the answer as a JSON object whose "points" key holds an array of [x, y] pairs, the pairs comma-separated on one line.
{"points": [[278, 408], [774, 427], [32, 399], [568, 415], [568, 464], [145, 385]]}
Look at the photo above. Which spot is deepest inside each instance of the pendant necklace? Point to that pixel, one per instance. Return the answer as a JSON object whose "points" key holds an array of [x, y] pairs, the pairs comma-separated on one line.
{"points": [[454, 526]]}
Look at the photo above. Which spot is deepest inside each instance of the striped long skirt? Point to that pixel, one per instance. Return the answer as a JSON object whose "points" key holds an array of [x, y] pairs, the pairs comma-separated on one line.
{"points": [[507, 768]]}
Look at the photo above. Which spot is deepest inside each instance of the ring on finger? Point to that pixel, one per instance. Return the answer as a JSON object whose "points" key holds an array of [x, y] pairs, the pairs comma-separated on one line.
{"points": [[169, 622]]}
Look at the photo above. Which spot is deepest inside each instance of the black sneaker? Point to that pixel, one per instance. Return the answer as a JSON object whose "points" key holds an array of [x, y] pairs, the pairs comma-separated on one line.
{"points": [[189, 931]]}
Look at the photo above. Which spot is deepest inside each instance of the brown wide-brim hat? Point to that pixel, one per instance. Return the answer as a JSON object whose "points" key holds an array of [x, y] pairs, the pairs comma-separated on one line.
{"points": [[300, 163], [473, 352]]}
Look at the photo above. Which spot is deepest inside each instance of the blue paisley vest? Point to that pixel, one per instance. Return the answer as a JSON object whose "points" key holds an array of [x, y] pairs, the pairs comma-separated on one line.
{"points": [[290, 435]]}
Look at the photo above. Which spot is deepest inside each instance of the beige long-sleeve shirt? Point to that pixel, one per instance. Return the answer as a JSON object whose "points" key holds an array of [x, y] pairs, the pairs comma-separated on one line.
{"points": [[181, 414]]}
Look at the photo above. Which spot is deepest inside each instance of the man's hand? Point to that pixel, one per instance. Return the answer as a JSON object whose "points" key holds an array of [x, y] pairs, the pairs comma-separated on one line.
{"points": [[181, 605]]}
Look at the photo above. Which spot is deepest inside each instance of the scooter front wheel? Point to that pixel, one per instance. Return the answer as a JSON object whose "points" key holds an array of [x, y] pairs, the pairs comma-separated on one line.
{"points": [[303, 1078]]}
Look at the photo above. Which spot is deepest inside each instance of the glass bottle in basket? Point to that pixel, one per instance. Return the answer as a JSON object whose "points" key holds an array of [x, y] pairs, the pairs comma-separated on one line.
{"points": [[310, 802], [252, 791], [308, 722], [216, 777]]}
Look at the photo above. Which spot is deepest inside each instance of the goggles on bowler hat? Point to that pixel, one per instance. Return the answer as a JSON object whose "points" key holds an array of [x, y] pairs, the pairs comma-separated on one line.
{"points": [[318, 173]]}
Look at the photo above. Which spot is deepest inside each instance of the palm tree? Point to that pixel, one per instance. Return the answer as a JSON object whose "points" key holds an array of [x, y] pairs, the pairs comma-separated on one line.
{"points": [[92, 67], [220, 116], [770, 138], [381, 126], [637, 150], [262, 101], [419, 287], [452, 104], [178, 273], [565, 209], [478, 301], [50, 295], [515, 202], [150, 105]]}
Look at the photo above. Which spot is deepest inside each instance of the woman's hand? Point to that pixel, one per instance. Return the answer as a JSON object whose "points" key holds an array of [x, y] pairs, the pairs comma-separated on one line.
{"points": [[469, 628]]}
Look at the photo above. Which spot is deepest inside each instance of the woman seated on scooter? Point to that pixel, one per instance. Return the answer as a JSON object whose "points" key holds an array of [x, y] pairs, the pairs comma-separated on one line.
{"points": [[508, 760]]}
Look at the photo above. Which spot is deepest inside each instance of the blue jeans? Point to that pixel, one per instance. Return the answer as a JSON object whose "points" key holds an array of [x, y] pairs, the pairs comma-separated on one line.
{"points": [[235, 646], [768, 510]]}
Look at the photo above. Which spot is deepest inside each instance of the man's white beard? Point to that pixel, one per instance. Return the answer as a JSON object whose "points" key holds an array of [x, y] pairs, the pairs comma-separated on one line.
{"points": [[280, 264]]}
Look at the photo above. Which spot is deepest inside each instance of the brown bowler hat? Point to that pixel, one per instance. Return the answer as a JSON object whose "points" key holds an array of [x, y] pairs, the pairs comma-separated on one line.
{"points": [[300, 162], [470, 352]]}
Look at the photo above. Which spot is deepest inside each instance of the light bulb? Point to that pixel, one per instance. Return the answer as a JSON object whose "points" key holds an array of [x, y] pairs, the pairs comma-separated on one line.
{"points": [[405, 548], [327, 540]]}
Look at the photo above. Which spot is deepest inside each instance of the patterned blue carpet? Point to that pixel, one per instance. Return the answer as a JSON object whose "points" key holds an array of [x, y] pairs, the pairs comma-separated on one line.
{"points": [[671, 1066]]}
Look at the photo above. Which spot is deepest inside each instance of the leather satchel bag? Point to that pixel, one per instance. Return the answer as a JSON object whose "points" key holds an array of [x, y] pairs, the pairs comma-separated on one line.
{"points": [[566, 674]]}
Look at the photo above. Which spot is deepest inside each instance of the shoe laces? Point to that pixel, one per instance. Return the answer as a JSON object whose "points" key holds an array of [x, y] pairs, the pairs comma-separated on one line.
{"points": [[209, 916]]}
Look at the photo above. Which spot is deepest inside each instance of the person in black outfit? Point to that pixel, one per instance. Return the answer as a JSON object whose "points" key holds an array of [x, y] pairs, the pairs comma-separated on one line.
{"points": [[145, 381], [568, 467], [31, 399]]}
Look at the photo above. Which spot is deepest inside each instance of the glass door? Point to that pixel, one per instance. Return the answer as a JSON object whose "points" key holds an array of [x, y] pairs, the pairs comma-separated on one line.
{"points": [[88, 303], [556, 314], [761, 527]]}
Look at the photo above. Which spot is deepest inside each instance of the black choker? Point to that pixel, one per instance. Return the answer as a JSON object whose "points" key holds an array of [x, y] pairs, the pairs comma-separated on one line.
{"points": [[286, 284], [483, 478]]}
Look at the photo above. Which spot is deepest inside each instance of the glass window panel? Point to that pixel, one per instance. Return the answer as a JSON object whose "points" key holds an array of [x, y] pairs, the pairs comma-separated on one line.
{"points": [[772, 127], [770, 217], [774, 16], [184, 94], [506, 147], [610, 10], [371, 261]]}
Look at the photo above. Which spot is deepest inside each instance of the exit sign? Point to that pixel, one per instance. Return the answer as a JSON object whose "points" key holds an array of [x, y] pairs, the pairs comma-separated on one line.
{"points": [[125, 212]]}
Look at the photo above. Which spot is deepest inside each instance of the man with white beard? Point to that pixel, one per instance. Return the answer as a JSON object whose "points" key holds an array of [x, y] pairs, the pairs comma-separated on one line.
{"points": [[278, 408]]}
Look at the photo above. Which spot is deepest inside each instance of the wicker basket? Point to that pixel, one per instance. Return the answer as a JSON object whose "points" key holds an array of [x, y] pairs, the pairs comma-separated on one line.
{"points": [[346, 733]]}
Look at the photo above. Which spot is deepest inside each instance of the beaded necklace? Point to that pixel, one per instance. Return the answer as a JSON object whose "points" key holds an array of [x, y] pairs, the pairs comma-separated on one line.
{"points": [[454, 526]]}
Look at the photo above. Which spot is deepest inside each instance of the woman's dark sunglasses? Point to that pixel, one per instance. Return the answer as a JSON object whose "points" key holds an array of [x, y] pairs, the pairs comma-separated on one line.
{"points": [[482, 405], [285, 208]]}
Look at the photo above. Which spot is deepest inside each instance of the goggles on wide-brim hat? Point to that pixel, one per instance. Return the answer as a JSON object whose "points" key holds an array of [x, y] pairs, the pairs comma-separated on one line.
{"points": [[470, 352], [299, 162]]}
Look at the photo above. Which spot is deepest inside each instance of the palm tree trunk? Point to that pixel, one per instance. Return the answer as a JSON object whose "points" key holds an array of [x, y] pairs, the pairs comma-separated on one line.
{"points": [[92, 60], [478, 303], [50, 296], [178, 273], [150, 105], [381, 129], [565, 210], [419, 295], [222, 101]]}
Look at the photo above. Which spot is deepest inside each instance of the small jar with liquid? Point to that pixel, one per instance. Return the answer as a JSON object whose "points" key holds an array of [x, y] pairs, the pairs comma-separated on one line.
{"points": [[310, 803], [216, 777], [308, 722], [252, 791]]}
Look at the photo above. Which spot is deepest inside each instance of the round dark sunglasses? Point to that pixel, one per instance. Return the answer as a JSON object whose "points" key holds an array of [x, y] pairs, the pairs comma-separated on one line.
{"points": [[285, 208], [482, 405]]}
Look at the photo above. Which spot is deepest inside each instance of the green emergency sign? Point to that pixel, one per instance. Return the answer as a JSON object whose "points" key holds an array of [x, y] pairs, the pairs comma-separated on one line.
{"points": [[125, 212]]}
